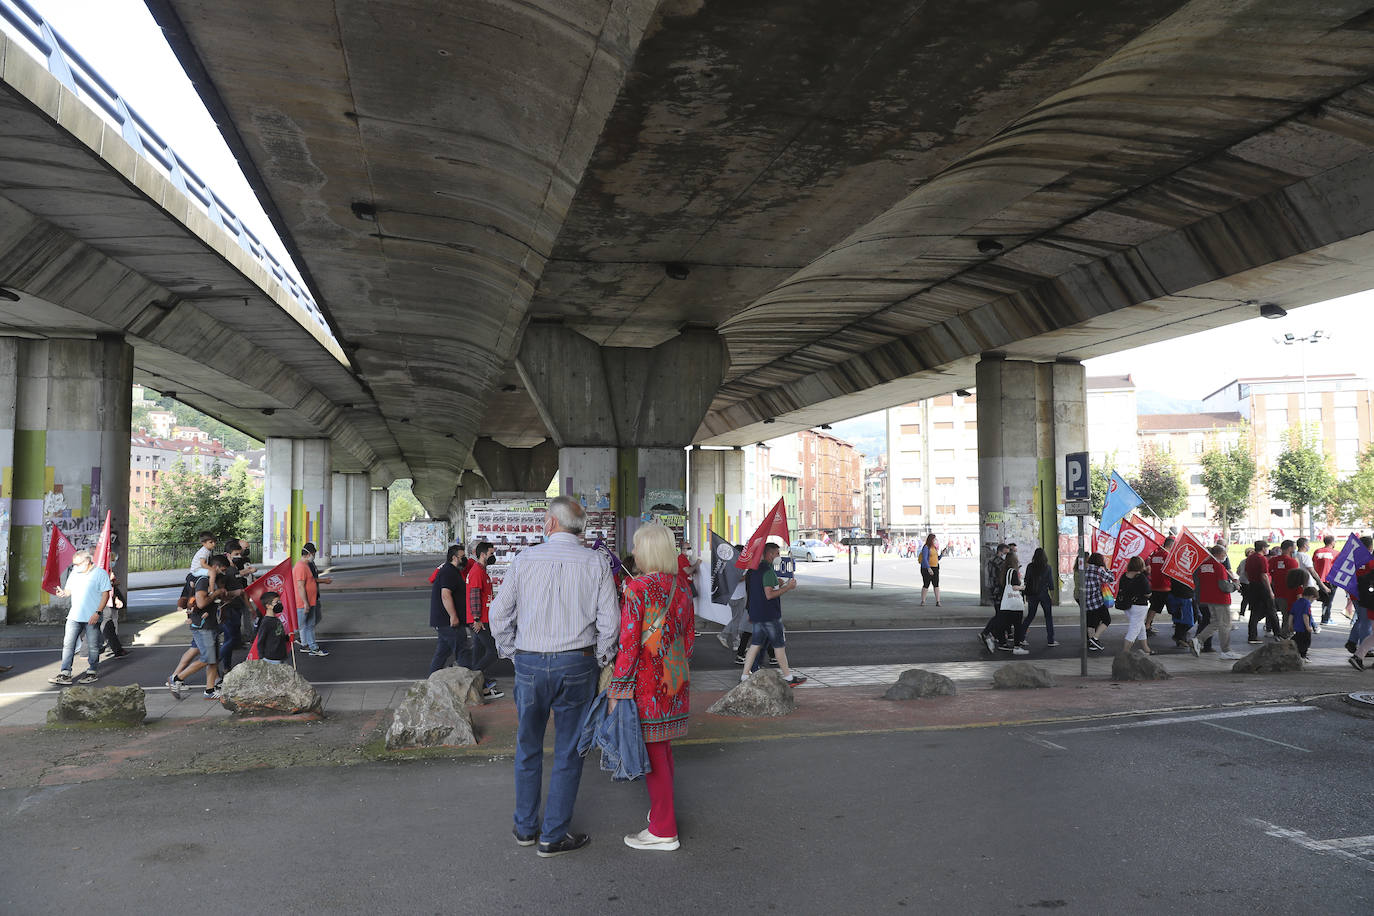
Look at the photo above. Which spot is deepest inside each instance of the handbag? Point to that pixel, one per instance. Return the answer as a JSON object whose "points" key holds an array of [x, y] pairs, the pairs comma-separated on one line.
{"points": [[1012, 600]]}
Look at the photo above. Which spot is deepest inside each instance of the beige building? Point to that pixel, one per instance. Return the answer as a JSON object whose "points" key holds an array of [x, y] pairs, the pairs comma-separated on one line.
{"points": [[932, 480], [1187, 436]]}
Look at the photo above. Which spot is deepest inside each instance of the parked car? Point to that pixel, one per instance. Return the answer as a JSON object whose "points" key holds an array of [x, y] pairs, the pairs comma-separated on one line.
{"points": [[811, 550]]}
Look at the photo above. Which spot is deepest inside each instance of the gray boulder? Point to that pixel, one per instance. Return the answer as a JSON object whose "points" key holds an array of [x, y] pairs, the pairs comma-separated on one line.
{"points": [[430, 716], [916, 684], [764, 694], [464, 683], [1137, 666], [1270, 658], [1021, 675], [260, 688], [100, 705]]}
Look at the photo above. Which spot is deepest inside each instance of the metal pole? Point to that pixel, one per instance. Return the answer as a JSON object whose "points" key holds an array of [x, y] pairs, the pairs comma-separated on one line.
{"points": [[1311, 529], [1082, 589], [872, 561], [849, 565]]}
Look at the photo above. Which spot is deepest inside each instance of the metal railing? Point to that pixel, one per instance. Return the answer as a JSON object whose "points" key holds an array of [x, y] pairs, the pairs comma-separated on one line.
{"points": [[363, 548], [159, 557], [72, 70]]}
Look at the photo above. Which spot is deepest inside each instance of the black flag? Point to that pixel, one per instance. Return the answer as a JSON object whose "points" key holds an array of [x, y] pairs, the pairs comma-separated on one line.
{"points": [[724, 575]]}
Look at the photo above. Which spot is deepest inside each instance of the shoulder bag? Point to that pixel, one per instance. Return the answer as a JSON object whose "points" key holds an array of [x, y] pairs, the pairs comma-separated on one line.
{"points": [[1012, 600]]}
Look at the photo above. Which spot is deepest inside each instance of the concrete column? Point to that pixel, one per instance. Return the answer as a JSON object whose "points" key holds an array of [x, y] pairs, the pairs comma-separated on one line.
{"points": [[381, 513], [1029, 416], [64, 440], [716, 495], [297, 498], [622, 416], [351, 510], [516, 470]]}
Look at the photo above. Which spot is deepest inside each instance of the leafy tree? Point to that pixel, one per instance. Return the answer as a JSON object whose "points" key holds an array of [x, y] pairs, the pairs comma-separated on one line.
{"points": [[1227, 473], [1352, 500], [402, 507], [1300, 476], [1099, 475], [188, 504], [1160, 483]]}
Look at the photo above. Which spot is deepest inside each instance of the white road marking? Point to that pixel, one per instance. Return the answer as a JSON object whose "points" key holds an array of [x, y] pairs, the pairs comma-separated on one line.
{"points": [[1338, 847], [1044, 742], [1236, 731], [1175, 720]]}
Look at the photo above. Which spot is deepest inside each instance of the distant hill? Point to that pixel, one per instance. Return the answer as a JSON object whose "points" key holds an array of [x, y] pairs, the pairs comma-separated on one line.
{"points": [[1156, 402], [868, 433]]}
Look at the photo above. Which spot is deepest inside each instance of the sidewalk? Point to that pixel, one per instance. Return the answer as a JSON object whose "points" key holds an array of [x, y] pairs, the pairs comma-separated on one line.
{"points": [[175, 578]]}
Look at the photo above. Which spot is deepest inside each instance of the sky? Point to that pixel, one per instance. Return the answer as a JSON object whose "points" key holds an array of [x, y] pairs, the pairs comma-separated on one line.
{"points": [[121, 41]]}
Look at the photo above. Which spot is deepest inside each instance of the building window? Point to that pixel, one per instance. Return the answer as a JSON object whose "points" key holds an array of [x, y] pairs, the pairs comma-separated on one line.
{"points": [[1199, 515], [911, 429], [911, 510], [1196, 480], [1278, 513], [138, 489], [944, 510], [944, 481], [944, 400], [940, 426], [945, 455], [911, 481], [972, 510]]}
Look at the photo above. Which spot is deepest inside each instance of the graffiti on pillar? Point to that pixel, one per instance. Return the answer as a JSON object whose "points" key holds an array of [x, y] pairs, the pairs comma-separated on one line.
{"points": [[668, 507]]}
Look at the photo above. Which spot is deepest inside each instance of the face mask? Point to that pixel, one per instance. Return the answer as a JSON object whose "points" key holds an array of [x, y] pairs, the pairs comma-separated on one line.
{"points": [[491, 559]]}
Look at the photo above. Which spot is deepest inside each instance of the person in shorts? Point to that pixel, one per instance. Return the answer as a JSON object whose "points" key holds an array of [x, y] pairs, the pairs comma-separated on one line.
{"points": [[764, 593], [205, 634]]}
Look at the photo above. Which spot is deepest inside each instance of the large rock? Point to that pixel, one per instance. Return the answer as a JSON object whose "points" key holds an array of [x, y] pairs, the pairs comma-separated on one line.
{"points": [[916, 684], [260, 688], [430, 716], [1269, 658], [100, 705], [1137, 666], [1021, 675], [464, 683], [764, 694]]}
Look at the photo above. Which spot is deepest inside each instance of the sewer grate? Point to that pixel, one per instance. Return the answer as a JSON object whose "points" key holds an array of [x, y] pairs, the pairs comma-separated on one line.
{"points": [[1362, 698]]}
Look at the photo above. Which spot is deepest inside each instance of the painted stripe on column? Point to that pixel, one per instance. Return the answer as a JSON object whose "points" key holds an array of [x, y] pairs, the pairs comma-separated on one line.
{"points": [[30, 463], [26, 512]]}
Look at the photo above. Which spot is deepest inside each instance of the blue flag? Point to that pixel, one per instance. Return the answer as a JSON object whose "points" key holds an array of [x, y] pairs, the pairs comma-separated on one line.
{"points": [[1352, 556], [1121, 501]]}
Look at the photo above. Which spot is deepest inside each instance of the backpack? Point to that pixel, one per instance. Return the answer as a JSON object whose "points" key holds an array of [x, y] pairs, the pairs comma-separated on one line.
{"points": [[1364, 591]]}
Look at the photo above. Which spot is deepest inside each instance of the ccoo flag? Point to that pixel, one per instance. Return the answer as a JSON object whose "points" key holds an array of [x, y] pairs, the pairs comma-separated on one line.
{"points": [[102, 545], [725, 576], [278, 580], [1121, 499], [774, 525], [1343, 572], [1131, 542]]}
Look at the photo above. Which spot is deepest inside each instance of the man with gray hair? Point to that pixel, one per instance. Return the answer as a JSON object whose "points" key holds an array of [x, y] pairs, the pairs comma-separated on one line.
{"points": [[556, 616], [89, 588]]}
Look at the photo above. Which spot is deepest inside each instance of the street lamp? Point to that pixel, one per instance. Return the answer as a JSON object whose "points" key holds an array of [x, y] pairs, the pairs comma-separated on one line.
{"points": [[1288, 340]]}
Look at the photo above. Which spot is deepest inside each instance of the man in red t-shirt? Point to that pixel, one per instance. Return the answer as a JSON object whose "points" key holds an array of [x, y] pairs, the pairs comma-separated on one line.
{"points": [[478, 612], [1260, 592], [1322, 560], [1160, 584], [1284, 593], [1208, 577]]}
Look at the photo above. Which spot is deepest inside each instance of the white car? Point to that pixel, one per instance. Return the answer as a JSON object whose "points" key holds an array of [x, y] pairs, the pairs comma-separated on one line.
{"points": [[811, 550]]}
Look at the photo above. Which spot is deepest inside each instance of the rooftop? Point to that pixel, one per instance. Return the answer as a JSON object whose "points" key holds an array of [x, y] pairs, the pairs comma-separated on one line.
{"points": [[1105, 382], [1169, 422]]}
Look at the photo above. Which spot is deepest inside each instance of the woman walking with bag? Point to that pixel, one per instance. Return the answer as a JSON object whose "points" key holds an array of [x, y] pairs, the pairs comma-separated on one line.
{"points": [[930, 569], [651, 670], [1011, 607], [1037, 592], [1133, 597]]}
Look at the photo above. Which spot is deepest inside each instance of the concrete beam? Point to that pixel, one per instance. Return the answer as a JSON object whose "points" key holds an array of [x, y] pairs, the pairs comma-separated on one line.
{"points": [[516, 470]]}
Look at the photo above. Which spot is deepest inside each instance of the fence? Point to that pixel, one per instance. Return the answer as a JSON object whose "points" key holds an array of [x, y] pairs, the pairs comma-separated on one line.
{"points": [[363, 548], [157, 557]]}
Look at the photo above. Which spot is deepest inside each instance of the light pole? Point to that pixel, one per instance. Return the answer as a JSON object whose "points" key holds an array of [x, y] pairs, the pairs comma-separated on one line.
{"points": [[1288, 340]]}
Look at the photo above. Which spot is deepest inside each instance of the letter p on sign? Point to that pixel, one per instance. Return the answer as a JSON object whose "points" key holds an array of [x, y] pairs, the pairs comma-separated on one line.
{"points": [[1076, 476]]}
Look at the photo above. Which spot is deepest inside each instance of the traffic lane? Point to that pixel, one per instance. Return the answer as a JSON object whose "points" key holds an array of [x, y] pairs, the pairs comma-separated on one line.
{"points": [[962, 821]]}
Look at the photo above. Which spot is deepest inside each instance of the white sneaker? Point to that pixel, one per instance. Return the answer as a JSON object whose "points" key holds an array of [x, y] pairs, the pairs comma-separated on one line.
{"points": [[1020, 650], [1228, 656], [723, 640], [646, 840]]}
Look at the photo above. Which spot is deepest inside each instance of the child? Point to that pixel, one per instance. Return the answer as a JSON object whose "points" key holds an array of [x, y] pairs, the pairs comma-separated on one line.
{"points": [[1302, 619], [273, 645]]}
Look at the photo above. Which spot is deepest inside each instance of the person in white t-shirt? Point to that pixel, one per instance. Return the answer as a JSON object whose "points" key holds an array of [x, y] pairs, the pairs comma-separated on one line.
{"points": [[89, 588]]}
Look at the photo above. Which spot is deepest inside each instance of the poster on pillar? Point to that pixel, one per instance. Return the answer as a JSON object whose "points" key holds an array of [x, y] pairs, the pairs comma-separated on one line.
{"points": [[512, 525], [668, 507]]}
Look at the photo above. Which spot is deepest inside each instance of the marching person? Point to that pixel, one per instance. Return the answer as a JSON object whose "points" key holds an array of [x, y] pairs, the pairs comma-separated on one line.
{"points": [[478, 590], [444, 617], [89, 588]]}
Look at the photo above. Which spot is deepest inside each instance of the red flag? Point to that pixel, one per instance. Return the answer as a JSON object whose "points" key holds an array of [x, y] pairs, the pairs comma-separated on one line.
{"points": [[774, 524], [60, 553], [1104, 544], [1130, 542], [1148, 530], [278, 579], [1184, 557], [102, 546]]}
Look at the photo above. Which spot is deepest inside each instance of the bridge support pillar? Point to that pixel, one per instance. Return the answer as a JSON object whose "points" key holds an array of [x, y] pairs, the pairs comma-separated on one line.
{"points": [[715, 495], [379, 507], [297, 498], [1030, 415], [351, 512], [622, 417], [64, 450]]}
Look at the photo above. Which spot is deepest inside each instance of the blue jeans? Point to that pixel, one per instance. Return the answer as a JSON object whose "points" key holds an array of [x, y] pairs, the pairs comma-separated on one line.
{"points": [[452, 643], [1359, 628], [483, 654], [307, 634], [1041, 600], [562, 683], [75, 630]]}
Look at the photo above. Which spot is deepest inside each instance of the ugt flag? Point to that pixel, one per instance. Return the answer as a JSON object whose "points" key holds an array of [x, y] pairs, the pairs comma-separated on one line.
{"points": [[725, 575], [60, 553], [1121, 499], [1131, 542], [278, 580], [1348, 562], [774, 524], [1185, 556]]}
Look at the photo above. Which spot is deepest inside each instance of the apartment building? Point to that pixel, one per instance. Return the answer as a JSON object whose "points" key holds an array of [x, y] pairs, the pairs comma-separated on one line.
{"points": [[932, 480]]}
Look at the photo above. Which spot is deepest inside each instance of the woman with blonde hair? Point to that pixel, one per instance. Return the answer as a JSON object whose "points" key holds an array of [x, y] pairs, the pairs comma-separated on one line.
{"points": [[651, 669]]}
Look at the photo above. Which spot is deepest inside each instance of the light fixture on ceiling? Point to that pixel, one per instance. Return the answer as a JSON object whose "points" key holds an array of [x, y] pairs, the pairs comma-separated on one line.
{"points": [[268, 411], [963, 392], [364, 210], [510, 389], [1270, 310], [825, 426], [770, 420], [676, 270], [8, 294], [405, 419], [989, 246]]}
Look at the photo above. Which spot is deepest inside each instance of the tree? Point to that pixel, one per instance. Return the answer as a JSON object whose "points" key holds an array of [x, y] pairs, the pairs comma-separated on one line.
{"points": [[1227, 473], [1099, 475], [402, 507], [1352, 500], [1300, 476], [1160, 483], [187, 504]]}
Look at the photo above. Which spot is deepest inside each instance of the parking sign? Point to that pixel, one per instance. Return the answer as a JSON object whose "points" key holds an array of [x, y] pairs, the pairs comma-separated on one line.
{"points": [[1076, 484]]}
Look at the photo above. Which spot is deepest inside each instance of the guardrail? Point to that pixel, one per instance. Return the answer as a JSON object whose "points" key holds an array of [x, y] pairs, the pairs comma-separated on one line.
{"points": [[69, 67], [159, 557], [363, 549]]}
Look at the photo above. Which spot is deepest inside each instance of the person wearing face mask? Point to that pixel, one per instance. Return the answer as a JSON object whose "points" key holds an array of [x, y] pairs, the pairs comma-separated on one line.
{"points": [[273, 644], [478, 606], [89, 588]]}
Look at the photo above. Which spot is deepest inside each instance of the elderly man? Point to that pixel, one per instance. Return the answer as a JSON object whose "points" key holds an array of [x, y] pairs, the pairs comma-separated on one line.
{"points": [[556, 616], [89, 588]]}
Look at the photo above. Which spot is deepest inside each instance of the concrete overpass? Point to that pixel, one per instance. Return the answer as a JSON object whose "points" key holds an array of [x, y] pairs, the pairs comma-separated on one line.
{"points": [[631, 226]]}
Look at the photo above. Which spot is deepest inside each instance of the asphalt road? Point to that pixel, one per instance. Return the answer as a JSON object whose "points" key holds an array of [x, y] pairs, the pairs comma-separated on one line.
{"points": [[1196, 814]]}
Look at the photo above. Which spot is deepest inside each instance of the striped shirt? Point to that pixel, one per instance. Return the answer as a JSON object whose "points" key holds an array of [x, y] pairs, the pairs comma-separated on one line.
{"points": [[556, 596]]}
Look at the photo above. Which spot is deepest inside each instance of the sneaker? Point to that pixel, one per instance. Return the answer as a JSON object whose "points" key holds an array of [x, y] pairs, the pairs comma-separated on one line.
{"points": [[1020, 650], [795, 679], [1316, 628], [215, 694], [772, 662], [318, 652], [987, 640], [1195, 647], [524, 839], [491, 693], [1227, 656], [1051, 644], [1255, 642], [88, 676], [1094, 645], [570, 843], [1004, 647], [121, 654], [61, 679], [646, 840], [724, 640], [739, 659], [1356, 662], [176, 687]]}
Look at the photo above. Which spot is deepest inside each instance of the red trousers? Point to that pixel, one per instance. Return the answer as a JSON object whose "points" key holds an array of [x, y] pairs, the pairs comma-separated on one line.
{"points": [[662, 816]]}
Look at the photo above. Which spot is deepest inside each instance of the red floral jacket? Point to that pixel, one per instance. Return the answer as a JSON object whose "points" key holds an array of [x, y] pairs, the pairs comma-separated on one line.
{"points": [[652, 666]]}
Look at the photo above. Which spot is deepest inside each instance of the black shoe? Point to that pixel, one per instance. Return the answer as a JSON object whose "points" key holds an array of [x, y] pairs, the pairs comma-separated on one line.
{"points": [[570, 843], [1356, 662], [739, 659], [524, 839], [772, 662]]}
